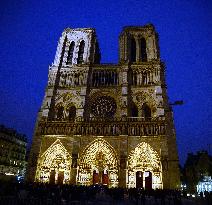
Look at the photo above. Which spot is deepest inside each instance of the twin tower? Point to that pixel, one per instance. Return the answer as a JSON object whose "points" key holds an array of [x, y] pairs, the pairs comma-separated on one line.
{"points": [[107, 124]]}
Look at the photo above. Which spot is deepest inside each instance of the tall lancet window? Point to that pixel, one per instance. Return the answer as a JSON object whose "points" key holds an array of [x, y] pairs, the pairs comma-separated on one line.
{"points": [[60, 110], [143, 50], [146, 112], [134, 110], [70, 53], [133, 50], [81, 52], [72, 113]]}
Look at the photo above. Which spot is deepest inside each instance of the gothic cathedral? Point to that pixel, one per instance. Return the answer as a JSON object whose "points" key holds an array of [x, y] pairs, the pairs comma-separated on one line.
{"points": [[107, 124]]}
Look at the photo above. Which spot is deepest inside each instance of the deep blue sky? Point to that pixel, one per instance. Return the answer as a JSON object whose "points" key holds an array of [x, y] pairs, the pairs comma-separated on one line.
{"points": [[30, 29]]}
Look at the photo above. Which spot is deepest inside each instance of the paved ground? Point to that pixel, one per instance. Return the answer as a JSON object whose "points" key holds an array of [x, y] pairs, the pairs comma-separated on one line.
{"points": [[104, 200]]}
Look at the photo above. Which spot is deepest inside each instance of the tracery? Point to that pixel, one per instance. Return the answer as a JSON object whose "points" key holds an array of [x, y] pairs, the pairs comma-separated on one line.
{"points": [[54, 165], [145, 160], [98, 158]]}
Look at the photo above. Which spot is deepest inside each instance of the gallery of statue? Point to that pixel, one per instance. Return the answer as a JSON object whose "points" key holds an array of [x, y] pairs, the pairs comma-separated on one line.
{"points": [[107, 124]]}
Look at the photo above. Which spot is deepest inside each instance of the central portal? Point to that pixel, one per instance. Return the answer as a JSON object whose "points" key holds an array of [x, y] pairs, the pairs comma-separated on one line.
{"points": [[100, 178], [98, 165]]}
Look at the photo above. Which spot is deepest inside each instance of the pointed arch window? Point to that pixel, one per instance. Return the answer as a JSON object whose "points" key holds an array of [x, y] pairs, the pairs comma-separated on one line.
{"points": [[134, 110], [60, 110], [133, 50], [81, 52], [143, 50], [146, 112], [70, 53], [72, 113]]}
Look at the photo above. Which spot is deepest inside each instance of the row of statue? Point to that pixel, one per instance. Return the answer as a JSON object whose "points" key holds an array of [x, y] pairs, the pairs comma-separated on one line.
{"points": [[144, 78]]}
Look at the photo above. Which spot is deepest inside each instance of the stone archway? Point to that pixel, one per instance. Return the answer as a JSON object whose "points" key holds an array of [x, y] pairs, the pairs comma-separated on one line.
{"points": [[98, 164], [143, 161], [54, 165]]}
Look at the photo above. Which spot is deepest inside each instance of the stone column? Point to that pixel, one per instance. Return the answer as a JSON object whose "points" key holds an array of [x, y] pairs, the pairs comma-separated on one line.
{"points": [[122, 172], [124, 92], [73, 176], [138, 48]]}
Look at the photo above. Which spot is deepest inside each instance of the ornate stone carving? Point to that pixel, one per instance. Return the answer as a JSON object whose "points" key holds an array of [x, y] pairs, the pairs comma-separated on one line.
{"points": [[145, 97], [107, 111]]}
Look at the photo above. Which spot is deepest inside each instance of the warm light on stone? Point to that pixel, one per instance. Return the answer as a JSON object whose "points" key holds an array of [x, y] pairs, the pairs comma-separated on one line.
{"points": [[106, 124]]}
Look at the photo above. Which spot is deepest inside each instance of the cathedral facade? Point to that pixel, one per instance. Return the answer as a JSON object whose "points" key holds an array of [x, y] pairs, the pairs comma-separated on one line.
{"points": [[107, 124]]}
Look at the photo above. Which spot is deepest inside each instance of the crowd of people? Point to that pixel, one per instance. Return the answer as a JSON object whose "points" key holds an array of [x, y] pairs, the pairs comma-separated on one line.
{"points": [[42, 194]]}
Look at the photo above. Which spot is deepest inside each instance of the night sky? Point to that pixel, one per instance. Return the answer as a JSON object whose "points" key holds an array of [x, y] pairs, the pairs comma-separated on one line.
{"points": [[30, 29]]}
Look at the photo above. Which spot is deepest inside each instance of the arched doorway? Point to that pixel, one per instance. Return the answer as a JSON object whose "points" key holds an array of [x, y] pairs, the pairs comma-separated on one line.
{"points": [[98, 165], [95, 177], [148, 180], [54, 165], [139, 179], [144, 168]]}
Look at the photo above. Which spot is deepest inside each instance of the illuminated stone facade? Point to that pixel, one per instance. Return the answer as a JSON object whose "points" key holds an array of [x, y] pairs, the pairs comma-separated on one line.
{"points": [[106, 123]]}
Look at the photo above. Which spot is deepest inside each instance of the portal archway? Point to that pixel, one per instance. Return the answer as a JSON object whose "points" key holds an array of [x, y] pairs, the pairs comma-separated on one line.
{"points": [[144, 168], [98, 165], [54, 165]]}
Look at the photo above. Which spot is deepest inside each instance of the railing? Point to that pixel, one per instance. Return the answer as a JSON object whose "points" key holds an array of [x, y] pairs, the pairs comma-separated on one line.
{"points": [[131, 127]]}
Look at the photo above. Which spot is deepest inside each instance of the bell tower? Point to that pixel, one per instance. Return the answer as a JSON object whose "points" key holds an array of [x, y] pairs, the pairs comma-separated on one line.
{"points": [[146, 92], [77, 49], [77, 46], [68, 77], [138, 44]]}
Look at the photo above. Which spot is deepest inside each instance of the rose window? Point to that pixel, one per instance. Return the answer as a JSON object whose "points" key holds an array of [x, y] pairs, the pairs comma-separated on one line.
{"points": [[104, 106]]}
